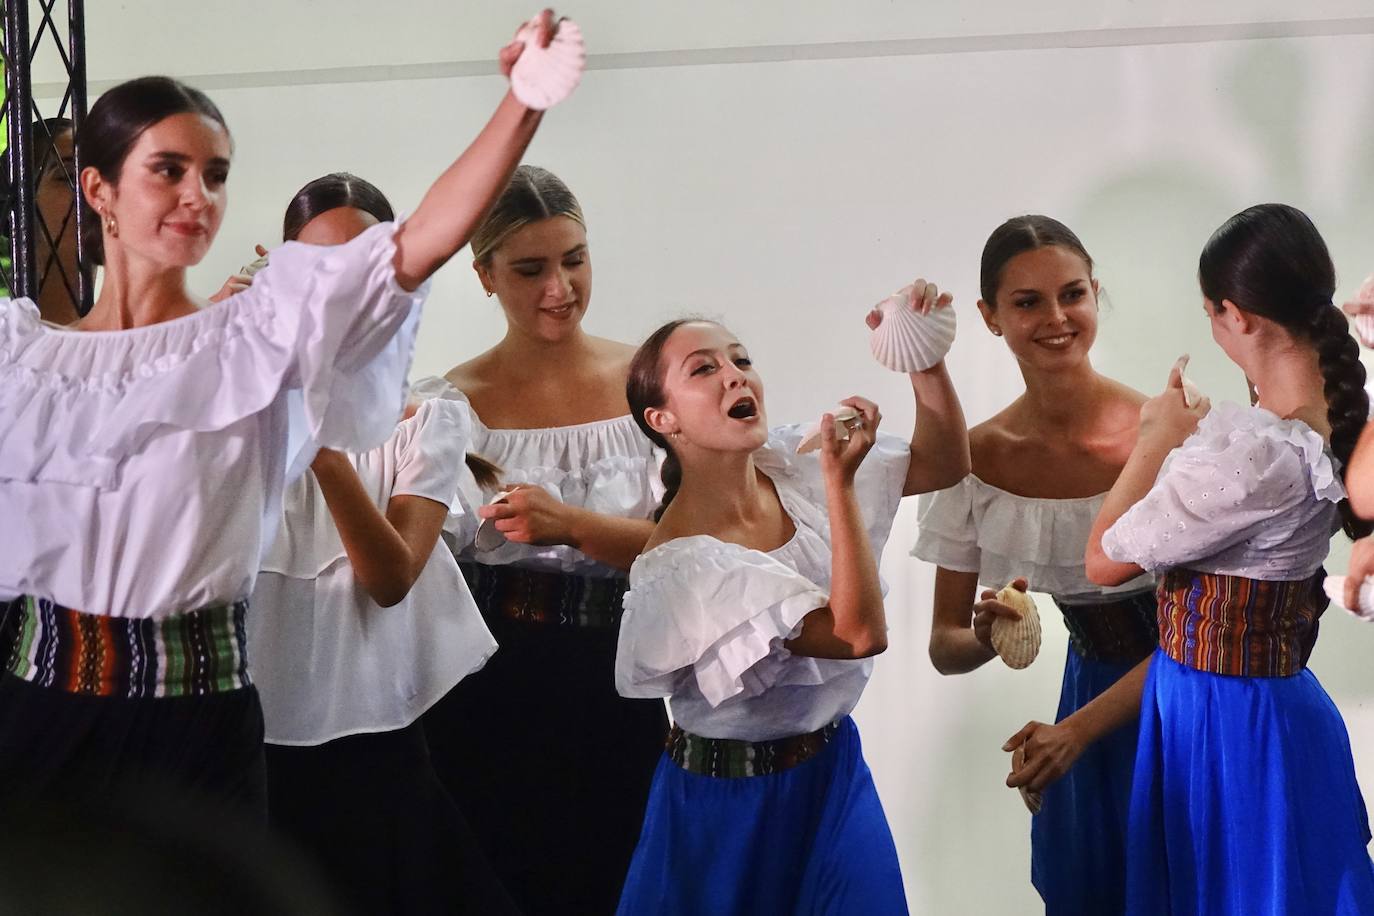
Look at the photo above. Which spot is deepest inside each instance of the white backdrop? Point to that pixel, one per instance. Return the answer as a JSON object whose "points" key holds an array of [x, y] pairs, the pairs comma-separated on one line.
{"points": [[733, 160]]}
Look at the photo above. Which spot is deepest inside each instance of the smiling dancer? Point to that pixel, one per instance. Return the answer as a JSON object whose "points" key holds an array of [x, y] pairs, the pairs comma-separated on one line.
{"points": [[756, 608], [1012, 519], [1244, 798]]}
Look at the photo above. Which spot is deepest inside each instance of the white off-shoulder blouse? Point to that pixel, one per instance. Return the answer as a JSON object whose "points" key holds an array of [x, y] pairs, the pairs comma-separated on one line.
{"points": [[974, 527], [328, 661], [607, 466], [141, 471], [1247, 494], [705, 620]]}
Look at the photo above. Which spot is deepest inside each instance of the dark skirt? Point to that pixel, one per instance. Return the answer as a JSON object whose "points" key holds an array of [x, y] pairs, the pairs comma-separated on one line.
{"points": [[369, 810], [551, 766], [61, 745]]}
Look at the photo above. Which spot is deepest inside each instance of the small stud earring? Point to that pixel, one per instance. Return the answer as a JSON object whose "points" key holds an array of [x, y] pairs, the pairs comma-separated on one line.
{"points": [[489, 294], [997, 332]]}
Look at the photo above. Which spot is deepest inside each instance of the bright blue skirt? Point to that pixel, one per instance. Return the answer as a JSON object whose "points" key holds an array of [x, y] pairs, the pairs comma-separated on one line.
{"points": [[1245, 800], [809, 840], [1078, 840]]}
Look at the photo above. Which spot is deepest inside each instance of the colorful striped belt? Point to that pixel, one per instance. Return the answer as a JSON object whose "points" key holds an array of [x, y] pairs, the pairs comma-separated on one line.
{"points": [[1123, 631], [201, 652], [729, 758], [550, 598], [1238, 626]]}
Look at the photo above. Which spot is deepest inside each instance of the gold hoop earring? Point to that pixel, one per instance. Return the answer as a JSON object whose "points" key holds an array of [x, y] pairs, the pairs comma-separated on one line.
{"points": [[490, 294], [997, 332], [111, 226]]}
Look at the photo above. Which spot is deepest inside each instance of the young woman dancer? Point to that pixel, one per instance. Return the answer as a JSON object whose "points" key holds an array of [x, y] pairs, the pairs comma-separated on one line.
{"points": [[548, 406], [755, 609], [1011, 519], [1244, 797], [359, 624], [143, 452]]}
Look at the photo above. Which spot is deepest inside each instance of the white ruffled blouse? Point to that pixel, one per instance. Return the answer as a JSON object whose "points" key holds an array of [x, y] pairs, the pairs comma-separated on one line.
{"points": [[328, 661], [974, 527], [1247, 494], [607, 466], [141, 471], [705, 620]]}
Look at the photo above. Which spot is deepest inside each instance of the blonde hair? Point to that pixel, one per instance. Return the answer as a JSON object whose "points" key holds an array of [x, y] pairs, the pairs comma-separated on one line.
{"points": [[533, 194]]}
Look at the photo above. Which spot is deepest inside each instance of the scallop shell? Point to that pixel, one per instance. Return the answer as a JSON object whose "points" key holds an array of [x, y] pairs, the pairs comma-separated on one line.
{"points": [[1017, 641], [543, 77], [1034, 800], [1191, 393], [906, 340], [248, 270], [845, 420], [488, 537], [1335, 590]]}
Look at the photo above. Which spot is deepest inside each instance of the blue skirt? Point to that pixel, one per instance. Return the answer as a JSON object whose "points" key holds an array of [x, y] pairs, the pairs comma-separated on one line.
{"points": [[810, 840], [1245, 800], [1078, 840]]}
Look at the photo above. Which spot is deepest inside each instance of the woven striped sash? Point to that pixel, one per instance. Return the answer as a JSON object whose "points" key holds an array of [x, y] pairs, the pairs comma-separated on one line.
{"points": [[729, 758], [550, 598], [1238, 626], [1123, 631], [201, 652]]}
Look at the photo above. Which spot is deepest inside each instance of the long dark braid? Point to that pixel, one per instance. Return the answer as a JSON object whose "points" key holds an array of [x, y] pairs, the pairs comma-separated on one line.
{"points": [[1271, 261]]}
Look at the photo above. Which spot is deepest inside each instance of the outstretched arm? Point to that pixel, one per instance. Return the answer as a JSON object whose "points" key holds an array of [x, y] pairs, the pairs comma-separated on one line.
{"points": [[454, 206]]}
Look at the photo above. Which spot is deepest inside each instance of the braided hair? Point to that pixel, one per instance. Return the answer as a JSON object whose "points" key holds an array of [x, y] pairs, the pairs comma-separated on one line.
{"points": [[644, 389], [1271, 261]]}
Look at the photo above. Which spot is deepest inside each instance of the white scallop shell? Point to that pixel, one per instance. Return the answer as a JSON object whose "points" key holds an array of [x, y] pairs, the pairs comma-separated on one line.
{"points": [[1017, 641], [1034, 800], [248, 270], [543, 77], [906, 340], [488, 537], [845, 420], [1191, 393], [1335, 590]]}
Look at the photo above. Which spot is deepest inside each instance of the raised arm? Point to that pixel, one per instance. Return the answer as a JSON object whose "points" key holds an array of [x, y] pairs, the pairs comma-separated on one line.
{"points": [[455, 204], [854, 623], [1165, 421], [387, 551]]}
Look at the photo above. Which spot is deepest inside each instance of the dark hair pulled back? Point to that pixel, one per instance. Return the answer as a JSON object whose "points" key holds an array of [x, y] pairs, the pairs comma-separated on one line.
{"points": [[1017, 236], [1270, 260], [116, 121], [329, 192], [644, 389]]}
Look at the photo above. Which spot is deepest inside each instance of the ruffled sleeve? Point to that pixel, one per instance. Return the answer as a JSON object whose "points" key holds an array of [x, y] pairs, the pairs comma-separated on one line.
{"points": [[1234, 480], [328, 324], [714, 612], [432, 452], [948, 533], [878, 484]]}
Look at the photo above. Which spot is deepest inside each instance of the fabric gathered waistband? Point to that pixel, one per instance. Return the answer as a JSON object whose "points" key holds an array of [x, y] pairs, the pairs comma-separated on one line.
{"points": [[201, 652], [549, 598], [730, 758], [1122, 630], [1239, 626]]}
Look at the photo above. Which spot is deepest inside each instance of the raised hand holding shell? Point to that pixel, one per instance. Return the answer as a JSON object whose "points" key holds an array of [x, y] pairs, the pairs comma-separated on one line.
{"points": [[543, 77], [1017, 641], [846, 419], [1191, 393], [906, 340]]}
